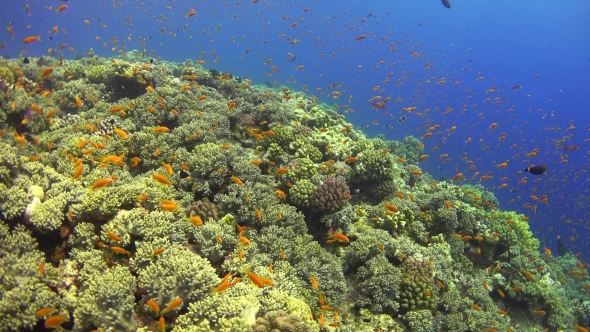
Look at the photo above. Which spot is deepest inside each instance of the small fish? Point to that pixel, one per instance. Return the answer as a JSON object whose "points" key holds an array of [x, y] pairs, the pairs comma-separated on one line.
{"points": [[44, 311], [196, 220], [338, 237], [156, 253], [223, 286], [281, 171], [114, 236], [101, 183], [446, 3], [161, 129], [154, 306], [175, 303], [161, 178], [120, 250], [257, 280], [237, 180], [54, 321], [31, 39], [314, 282]]}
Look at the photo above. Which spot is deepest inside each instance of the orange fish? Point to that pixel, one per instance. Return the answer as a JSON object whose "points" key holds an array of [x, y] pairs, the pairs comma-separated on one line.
{"points": [[154, 306], [196, 220], [390, 207], [46, 72], [175, 303], [338, 237], [257, 280], [237, 180], [31, 39], [114, 236], [156, 253], [121, 133], [54, 321], [161, 129], [161, 178], [44, 311], [142, 198], [223, 286], [168, 205], [281, 171], [101, 183], [78, 172], [120, 250]]}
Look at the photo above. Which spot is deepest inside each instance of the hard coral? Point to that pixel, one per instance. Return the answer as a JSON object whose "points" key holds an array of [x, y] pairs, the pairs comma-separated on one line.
{"points": [[378, 285], [416, 268], [331, 196], [279, 321], [301, 192], [204, 209]]}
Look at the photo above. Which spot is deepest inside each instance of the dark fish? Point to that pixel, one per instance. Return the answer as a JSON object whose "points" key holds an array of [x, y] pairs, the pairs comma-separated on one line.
{"points": [[26, 60], [268, 84], [571, 147], [183, 174], [478, 259], [3, 86], [412, 183], [446, 3], [561, 248], [536, 170]]}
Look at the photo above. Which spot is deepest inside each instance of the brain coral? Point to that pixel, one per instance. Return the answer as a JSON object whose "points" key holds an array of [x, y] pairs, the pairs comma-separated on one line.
{"points": [[331, 196]]}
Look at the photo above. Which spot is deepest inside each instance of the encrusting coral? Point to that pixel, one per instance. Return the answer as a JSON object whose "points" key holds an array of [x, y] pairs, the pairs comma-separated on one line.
{"points": [[196, 199]]}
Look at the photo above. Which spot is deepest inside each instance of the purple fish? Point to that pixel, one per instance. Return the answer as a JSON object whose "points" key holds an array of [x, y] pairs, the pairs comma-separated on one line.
{"points": [[29, 114]]}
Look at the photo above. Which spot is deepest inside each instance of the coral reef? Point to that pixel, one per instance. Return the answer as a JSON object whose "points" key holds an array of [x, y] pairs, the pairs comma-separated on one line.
{"points": [[194, 198]]}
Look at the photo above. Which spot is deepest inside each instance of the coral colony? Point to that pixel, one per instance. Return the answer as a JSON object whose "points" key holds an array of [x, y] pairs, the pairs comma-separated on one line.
{"points": [[145, 197]]}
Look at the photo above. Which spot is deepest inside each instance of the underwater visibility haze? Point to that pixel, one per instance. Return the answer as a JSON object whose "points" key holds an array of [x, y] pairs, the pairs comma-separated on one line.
{"points": [[294, 165]]}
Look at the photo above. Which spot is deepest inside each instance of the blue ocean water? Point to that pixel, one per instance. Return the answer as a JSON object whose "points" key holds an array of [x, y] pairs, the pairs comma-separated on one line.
{"points": [[410, 46]]}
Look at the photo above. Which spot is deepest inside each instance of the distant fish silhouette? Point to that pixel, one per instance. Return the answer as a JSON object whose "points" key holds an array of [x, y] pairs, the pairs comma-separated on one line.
{"points": [[561, 248], [446, 3]]}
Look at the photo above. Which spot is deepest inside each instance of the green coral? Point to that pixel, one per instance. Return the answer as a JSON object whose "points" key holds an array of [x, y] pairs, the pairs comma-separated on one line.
{"points": [[22, 289], [417, 295], [106, 300], [234, 309], [176, 273], [420, 320], [374, 165], [301, 192], [6, 75], [302, 168], [280, 321], [378, 284], [304, 149]]}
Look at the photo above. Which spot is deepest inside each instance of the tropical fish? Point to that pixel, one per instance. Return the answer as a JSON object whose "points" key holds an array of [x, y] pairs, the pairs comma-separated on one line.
{"points": [[536, 170]]}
